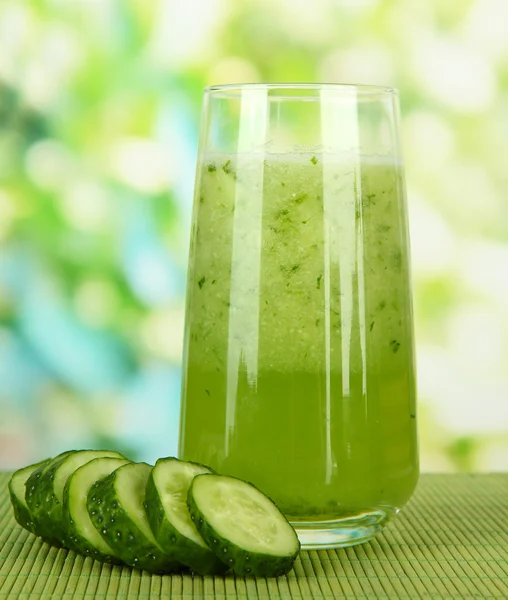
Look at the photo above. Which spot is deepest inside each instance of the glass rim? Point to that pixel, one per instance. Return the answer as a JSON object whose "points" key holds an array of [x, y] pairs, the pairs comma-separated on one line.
{"points": [[363, 89]]}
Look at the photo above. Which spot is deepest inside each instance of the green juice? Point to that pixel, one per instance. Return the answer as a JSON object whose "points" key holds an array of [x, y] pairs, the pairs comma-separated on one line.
{"points": [[299, 368]]}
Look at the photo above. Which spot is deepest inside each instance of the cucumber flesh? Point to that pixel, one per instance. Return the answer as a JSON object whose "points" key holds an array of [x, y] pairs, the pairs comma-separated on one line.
{"points": [[71, 463], [17, 493], [116, 507], [242, 526], [56, 459], [48, 494], [169, 517], [78, 526]]}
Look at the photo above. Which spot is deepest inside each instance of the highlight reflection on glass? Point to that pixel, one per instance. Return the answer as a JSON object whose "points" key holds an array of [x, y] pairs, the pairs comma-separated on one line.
{"points": [[299, 363]]}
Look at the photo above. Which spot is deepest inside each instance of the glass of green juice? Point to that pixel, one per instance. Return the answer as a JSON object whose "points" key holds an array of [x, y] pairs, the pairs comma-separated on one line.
{"points": [[299, 370]]}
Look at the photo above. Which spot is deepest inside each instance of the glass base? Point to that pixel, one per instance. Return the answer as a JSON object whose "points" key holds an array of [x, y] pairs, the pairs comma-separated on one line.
{"points": [[341, 532]]}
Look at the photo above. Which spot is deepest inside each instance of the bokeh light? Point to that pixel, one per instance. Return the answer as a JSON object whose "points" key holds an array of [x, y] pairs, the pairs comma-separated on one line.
{"points": [[99, 118]]}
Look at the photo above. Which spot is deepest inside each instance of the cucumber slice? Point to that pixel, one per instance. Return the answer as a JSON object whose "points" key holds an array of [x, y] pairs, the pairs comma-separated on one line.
{"points": [[115, 506], [78, 526], [166, 507], [46, 499], [34, 501], [242, 526], [17, 494]]}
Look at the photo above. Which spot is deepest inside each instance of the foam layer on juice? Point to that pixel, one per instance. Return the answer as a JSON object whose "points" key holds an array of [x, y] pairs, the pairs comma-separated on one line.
{"points": [[299, 263]]}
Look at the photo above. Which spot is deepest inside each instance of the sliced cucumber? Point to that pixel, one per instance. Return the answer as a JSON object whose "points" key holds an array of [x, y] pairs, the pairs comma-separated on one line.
{"points": [[116, 508], [242, 526], [17, 493], [166, 507], [76, 521], [48, 494], [34, 497]]}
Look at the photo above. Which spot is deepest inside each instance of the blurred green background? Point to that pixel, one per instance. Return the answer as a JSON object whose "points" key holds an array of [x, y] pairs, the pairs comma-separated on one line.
{"points": [[99, 116]]}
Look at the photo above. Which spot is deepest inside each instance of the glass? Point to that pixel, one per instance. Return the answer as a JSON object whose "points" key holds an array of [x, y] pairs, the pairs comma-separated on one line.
{"points": [[299, 360]]}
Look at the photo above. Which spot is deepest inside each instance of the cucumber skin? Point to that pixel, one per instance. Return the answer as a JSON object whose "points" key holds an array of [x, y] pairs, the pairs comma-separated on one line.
{"points": [[80, 543], [55, 507], [48, 509], [21, 513], [200, 560], [51, 512], [242, 562], [131, 545], [35, 496]]}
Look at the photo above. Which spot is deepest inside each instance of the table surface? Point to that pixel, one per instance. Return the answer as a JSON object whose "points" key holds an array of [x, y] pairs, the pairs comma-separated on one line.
{"points": [[450, 542]]}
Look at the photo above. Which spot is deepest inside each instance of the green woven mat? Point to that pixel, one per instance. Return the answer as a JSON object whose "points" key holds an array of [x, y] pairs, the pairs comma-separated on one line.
{"points": [[450, 542]]}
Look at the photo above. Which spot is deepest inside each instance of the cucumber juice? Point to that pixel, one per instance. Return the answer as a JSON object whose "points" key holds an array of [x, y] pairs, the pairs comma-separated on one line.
{"points": [[299, 366]]}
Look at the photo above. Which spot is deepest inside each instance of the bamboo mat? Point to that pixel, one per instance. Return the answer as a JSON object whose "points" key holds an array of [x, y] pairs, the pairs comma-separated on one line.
{"points": [[449, 543]]}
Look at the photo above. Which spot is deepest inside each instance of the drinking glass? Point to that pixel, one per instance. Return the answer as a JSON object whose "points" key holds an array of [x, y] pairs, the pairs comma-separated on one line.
{"points": [[299, 368]]}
